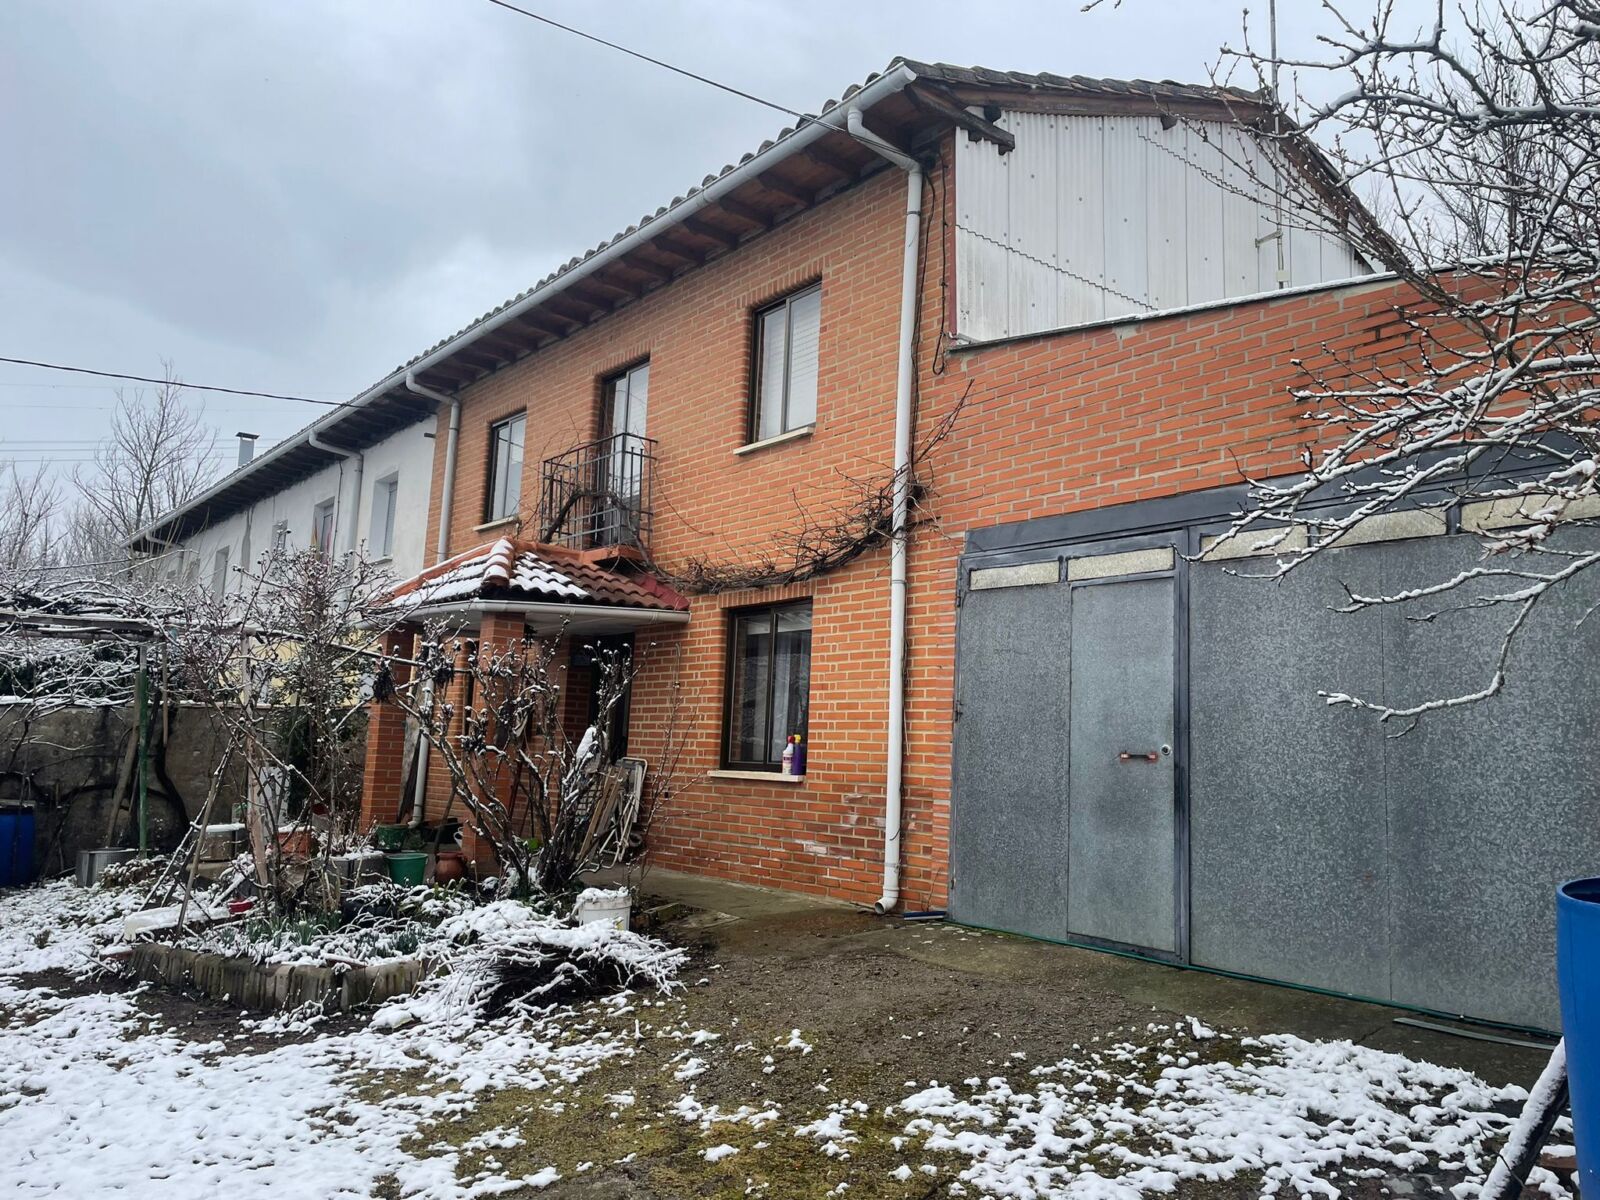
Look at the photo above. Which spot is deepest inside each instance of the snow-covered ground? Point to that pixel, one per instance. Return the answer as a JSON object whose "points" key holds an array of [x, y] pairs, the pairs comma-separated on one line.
{"points": [[100, 1097]]}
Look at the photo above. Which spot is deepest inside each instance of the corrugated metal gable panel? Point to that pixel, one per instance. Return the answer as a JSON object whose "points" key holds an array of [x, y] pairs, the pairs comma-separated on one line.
{"points": [[1081, 220], [1103, 216]]}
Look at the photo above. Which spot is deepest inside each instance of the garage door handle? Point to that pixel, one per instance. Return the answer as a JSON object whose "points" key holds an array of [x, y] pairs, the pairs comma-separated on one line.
{"points": [[1138, 756]]}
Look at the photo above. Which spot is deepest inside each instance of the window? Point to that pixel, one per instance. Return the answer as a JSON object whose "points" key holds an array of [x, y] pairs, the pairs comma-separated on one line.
{"points": [[385, 493], [280, 537], [625, 398], [787, 335], [322, 527], [505, 467], [769, 683], [219, 573]]}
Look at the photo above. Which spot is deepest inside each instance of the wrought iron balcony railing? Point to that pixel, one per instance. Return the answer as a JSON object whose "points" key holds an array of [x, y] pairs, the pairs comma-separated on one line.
{"points": [[599, 494]]}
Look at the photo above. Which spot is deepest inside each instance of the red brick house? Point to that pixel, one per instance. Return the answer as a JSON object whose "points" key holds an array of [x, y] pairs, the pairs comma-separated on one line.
{"points": [[745, 341], [1072, 305]]}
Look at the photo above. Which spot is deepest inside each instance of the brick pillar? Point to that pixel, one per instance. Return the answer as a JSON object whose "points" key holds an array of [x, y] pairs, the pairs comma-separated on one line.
{"points": [[496, 632], [383, 780]]}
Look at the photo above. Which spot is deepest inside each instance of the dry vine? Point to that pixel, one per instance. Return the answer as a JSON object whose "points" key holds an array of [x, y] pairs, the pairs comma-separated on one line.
{"points": [[824, 542]]}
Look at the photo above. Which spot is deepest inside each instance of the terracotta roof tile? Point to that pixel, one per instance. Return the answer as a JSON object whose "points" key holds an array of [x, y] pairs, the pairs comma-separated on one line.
{"points": [[521, 569]]}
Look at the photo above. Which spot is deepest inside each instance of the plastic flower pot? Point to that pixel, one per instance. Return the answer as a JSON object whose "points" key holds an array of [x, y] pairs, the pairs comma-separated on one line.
{"points": [[390, 837], [239, 907], [407, 867], [1578, 973]]}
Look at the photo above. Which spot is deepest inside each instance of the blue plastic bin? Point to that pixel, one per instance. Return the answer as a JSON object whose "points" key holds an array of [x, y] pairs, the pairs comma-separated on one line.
{"points": [[16, 845], [1578, 972]]}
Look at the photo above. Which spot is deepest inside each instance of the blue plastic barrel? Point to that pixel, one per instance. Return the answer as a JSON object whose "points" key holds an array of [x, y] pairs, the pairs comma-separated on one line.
{"points": [[16, 845], [1578, 972]]}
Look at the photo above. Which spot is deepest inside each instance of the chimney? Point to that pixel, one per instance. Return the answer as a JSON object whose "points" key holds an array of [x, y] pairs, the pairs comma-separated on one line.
{"points": [[247, 447]]}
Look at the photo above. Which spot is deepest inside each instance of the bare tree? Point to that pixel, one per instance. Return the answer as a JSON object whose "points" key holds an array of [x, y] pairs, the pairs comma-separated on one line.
{"points": [[30, 520], [158, 455], [1483, 130], [549, 804]]}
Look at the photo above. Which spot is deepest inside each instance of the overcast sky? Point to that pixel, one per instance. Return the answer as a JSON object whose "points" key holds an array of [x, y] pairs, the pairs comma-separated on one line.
{"points": [[298, 195]]}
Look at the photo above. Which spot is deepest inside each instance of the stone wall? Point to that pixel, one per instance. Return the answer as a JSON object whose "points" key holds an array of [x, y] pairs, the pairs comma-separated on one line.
{"points": [[66, 763]]}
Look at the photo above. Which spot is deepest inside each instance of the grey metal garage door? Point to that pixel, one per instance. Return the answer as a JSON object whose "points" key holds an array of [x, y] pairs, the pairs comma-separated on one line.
{"points": [[1068, 821]]}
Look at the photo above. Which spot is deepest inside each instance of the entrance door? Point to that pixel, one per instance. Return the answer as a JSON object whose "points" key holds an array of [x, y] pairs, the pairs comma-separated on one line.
{"points": [[1123, 831]]}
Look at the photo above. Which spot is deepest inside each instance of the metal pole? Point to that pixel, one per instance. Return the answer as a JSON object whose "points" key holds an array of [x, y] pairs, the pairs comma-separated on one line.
{"points": [[142, 702]]}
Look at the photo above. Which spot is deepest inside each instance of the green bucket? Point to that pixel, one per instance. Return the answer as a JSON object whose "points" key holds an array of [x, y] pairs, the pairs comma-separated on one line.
{"points": [[389, 837], [407, 867]]}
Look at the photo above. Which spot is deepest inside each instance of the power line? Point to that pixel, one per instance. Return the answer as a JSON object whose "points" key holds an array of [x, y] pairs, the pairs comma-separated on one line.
{"points": [[193, 387], [666, 66]]}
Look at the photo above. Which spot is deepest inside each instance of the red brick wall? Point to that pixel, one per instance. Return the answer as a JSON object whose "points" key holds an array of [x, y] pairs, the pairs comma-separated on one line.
{"points": [[1052, 424]]}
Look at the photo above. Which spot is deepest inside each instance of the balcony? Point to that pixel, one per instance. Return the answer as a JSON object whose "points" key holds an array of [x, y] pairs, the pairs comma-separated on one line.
{"points": [[601, 493]]}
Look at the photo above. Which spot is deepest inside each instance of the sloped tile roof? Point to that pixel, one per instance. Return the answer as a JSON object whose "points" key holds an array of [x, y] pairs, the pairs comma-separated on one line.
{"points": [[539, 573], [1081, 85]]}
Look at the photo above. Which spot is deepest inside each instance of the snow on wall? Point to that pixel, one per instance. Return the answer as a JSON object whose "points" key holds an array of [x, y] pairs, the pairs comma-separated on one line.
{"points": [[1095, 217], [406, 455]]}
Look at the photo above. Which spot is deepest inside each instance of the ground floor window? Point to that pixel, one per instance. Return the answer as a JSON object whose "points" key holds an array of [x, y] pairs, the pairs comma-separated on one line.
{"points": [[769, 683]]}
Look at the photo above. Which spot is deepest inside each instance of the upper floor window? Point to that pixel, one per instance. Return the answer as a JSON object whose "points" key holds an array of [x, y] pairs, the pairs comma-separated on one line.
{"points": [[769, 683], [322, 527], [380, 538], [219, 573], [505, 467], [787, 336]]}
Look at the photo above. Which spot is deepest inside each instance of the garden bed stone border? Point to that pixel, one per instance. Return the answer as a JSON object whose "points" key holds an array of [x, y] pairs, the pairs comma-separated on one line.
{"points": [[275, 987]]}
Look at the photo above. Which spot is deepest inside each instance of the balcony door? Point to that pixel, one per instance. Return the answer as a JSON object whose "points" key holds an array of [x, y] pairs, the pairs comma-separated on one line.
{"points": [[625, 402]]}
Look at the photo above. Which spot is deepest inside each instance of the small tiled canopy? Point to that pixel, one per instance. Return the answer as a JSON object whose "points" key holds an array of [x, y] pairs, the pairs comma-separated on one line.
{"points": [[552, 586]]}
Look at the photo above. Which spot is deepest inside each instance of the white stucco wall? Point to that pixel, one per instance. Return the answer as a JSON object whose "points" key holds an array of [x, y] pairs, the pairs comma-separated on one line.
{"points": [[407, 455]]}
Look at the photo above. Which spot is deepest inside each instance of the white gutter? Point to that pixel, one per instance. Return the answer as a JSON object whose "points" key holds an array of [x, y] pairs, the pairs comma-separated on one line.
{"points": [[317, 443], [887, 84], [447, 493], [904, 382]]}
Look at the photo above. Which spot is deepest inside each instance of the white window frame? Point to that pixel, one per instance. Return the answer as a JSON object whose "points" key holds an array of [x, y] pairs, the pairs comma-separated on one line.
{"points": [[785, 425], [385, 509], [324, 516], [219, 572]]}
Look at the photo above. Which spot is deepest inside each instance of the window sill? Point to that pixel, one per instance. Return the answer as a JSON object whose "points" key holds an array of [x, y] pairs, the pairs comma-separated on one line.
{"points": [[757, 776], [381, 561], [495, 524], [793, 435]]}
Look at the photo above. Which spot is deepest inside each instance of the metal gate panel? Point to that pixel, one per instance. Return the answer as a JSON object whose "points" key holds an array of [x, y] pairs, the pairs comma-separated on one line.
{"points": [[1287, 805], [1008, 821], [1121, 876], [1492, 805]]}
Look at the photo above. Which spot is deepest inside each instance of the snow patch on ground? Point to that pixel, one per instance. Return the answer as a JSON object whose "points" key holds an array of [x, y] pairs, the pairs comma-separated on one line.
{"points": [[112, 1101], [1132, 1120]]}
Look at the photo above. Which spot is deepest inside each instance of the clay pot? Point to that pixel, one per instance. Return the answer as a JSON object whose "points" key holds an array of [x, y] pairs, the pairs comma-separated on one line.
{"points": [[449, 866], [294, 842]]}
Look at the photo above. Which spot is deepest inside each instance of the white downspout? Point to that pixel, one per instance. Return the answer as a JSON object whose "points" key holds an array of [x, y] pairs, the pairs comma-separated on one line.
{"points": [[447, 493], [904, 382], [338, 501]]}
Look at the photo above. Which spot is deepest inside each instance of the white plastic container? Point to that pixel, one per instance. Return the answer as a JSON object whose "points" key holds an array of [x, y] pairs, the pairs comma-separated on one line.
{"points": [[614, 906], [92, 862]]}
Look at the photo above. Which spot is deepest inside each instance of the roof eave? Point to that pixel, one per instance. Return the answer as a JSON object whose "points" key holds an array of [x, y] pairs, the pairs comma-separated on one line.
{"points": [[889, 83]]}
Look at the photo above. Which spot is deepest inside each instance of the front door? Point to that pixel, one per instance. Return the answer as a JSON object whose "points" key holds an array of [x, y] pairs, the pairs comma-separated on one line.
{"points": [[1123, 832]]}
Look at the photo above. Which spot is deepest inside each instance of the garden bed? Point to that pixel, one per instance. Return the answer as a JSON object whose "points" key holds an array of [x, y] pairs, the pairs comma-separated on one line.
{"points": [[274, 987]]}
